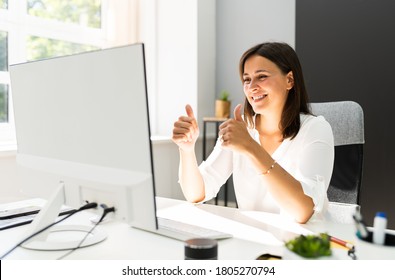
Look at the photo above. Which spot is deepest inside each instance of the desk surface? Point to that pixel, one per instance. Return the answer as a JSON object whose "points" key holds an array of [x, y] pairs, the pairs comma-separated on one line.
{"points": [[255, 233]]}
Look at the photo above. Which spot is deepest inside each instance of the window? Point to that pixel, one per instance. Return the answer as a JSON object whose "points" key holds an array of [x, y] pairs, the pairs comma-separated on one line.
{"points": [[37, 29], [3, 4], [3, 86], [87, 12]]}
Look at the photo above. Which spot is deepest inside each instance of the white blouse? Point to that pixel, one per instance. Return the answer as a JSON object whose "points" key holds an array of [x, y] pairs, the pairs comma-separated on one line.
{"points": [[308, 158]]}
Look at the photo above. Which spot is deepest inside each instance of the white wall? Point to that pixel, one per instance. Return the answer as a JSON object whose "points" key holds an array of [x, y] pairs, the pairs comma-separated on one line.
{"points": [[166, 168], [8, 189], [183, 71], [241, 24]]}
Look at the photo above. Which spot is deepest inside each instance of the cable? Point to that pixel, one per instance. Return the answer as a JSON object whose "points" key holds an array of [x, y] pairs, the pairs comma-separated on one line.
{"points": [[82, 208], [106, 210]]}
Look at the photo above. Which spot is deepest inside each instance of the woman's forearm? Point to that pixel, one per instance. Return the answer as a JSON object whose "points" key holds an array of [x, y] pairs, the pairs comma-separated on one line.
{"points": [[191, 180], [284, 187]]}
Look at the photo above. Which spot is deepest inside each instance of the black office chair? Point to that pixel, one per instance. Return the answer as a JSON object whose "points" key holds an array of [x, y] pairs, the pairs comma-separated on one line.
{"points": [[347, 122]]}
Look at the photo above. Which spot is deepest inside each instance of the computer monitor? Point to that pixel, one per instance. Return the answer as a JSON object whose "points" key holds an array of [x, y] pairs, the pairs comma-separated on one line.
{"points": [[83, 120]]}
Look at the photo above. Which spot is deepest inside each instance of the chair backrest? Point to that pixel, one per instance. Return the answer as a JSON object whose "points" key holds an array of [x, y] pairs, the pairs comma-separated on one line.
{"points": [[347, 122]]}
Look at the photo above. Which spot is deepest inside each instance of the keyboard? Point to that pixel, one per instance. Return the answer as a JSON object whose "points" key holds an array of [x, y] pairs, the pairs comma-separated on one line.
{"points": [[183, 231]]}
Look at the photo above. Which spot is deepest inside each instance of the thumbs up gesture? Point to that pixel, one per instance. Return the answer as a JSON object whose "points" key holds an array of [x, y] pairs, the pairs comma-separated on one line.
{"points": [[233, 133], [237, 113], [186, 130]]}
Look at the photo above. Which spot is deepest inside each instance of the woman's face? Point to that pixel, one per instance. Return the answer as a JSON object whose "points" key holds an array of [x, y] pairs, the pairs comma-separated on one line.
{"points": [[265, 86]]}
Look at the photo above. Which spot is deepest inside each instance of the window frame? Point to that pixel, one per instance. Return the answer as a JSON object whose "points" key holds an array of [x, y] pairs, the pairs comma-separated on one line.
{"points": [[19, 24]]}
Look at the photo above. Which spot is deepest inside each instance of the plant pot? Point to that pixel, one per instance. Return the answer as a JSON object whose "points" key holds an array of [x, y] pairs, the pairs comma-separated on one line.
{"points": [[222, 109]]}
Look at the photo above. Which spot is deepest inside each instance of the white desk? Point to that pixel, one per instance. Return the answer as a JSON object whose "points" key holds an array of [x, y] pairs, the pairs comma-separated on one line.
{"points": [[124, 242]]}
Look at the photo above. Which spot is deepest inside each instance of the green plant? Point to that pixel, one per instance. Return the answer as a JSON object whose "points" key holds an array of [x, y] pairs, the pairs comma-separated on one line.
{"points": [[224, 95], [310, 246]]}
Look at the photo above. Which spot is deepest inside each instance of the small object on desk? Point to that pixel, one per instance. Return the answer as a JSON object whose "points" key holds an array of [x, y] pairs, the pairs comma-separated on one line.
{"points": [[222, 105], [341, 242], [267, 256], [310, 246], [362, 231], [201, 249], [346, 245], [379, 227]]}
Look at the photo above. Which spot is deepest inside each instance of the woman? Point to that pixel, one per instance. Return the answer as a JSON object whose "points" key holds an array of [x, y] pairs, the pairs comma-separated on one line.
{"points": [[280, 155]]}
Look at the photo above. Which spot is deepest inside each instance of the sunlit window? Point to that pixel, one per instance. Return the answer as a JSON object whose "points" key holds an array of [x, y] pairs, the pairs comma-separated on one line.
{"points": [[3, 4], [40, 47], [85, 13], [82, 13], [3, 103], [39, 29], [4, 115], [3, 51]]}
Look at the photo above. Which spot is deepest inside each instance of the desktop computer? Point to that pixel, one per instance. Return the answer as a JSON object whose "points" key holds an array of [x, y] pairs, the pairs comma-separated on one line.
{"points": [[83, 120]]}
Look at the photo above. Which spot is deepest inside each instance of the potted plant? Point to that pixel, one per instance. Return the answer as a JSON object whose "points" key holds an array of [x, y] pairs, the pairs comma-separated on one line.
{"points": [[222, 105]]}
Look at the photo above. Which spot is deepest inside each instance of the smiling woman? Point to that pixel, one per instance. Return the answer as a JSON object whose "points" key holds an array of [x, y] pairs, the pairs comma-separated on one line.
{"points": [[280, 155]]}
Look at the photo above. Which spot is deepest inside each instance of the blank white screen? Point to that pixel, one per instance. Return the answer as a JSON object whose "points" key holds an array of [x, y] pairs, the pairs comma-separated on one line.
{"points": [[89, 108]]}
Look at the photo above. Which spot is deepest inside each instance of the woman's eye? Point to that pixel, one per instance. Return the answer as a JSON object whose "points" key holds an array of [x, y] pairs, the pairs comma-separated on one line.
{"points": [[246, 80], [260, 77]]}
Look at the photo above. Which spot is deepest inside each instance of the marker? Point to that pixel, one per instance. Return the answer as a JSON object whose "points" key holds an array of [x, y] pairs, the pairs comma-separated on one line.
{"points": [[362, 231], [342, 242]]}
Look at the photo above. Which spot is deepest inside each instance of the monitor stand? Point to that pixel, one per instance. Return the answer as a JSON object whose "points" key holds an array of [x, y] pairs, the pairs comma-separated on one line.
{"points": [[59, 237]]}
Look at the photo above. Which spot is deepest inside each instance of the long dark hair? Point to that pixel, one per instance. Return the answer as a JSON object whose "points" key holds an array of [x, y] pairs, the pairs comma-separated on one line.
{"points": [[287, 60]]}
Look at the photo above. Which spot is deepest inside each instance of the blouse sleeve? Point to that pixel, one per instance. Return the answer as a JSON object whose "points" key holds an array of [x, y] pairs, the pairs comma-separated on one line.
{"points": [[216, 170], [315, 163]]}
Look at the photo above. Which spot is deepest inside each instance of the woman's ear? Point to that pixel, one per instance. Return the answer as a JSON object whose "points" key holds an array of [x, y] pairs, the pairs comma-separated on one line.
{"points": [[290, 80]]}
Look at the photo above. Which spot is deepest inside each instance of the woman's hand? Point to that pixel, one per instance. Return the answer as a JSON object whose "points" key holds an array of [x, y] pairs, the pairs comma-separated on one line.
{"points": [[186, 130], [234, 134]]}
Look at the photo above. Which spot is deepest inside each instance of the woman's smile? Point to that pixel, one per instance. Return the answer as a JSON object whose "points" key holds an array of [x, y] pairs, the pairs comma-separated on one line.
{"points": [[257, 98]]}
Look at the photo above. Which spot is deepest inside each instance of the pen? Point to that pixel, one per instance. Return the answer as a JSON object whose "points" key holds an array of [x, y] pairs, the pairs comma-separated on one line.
{"points": [[342, 242], [362, 231]]}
